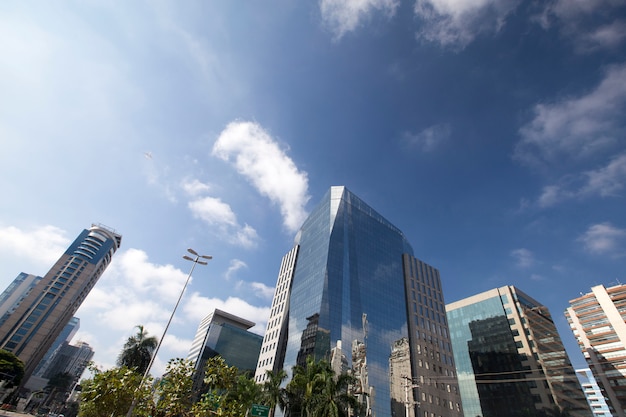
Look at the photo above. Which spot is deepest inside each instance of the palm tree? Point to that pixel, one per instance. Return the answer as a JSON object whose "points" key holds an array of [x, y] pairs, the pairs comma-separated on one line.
{"points": [[303, 388], [334, 400], [273, 394], [138, 351]]}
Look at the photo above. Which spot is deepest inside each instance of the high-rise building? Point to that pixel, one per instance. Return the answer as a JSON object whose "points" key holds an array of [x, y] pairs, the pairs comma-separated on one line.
{"points": [[39, 319], [598, 320], [509, 357], [593, 393], [66, 335], [224, 334], [13, 295], [70, 359], [351, 292]]}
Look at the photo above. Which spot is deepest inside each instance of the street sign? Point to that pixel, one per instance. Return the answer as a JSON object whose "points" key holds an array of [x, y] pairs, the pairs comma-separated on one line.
{"points": [[259, 411]]}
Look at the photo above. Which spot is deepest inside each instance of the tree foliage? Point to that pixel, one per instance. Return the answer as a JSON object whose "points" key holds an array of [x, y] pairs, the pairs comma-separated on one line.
{"points": [[11, 368], [314, 391], [137, 351], [174, 391], [272, 393], [111, 393]]}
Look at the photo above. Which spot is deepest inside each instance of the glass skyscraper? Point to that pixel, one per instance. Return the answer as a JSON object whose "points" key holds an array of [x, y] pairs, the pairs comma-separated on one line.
{"points": [[31, 329], [351, 292], [509, 357]]}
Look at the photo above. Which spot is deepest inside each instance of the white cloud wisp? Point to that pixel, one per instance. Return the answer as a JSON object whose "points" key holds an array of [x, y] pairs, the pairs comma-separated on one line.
{"points": [[257, 157], [575, 127], [604, 239], [456, 23], [343, 16]]}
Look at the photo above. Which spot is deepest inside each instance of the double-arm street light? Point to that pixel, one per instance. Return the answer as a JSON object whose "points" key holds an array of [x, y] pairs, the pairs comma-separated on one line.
{"points": [[196, 259]]}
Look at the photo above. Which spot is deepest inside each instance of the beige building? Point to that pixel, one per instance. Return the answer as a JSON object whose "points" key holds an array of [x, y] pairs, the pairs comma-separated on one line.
{"points": [[30, 330], [597, 320], [509, 357]]}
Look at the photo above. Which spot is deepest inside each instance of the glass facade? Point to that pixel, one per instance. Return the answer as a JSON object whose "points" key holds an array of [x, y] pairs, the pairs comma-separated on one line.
{"points": [[224, 334], [348, 304], [509, 357]]}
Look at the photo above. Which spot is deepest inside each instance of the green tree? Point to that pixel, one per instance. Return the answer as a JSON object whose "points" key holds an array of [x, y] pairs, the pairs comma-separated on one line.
{"points": [[111, 393], [316, 391], [228, 393], [241, 397], [304, 388], [174, 391], [333, 399], [137, 351], [272, 392], [11, 368]]}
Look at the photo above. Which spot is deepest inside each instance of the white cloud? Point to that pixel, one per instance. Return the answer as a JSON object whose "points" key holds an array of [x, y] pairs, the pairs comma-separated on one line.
{"points": [[523, 257], [590, 24], [428, 139], [456, 23], [199, 307], [343, 16], [43, 245], [194, 187], [609, 36], [235, 265], [263, 291], [218, 214], [607, 181], [213, 211], [259, 159], [604, 238], [575, 127]]}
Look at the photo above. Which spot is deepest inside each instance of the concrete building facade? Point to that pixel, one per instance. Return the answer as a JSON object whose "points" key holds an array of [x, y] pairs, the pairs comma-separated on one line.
{"points": [[32, 328], [598, 320]]}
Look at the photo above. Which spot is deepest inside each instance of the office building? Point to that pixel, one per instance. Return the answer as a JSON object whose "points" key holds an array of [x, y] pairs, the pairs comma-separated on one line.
{"points": [[39, 319], [224, 334], [598, 322], [70, 359], [593, 393], [509, 357], [351, 292]]}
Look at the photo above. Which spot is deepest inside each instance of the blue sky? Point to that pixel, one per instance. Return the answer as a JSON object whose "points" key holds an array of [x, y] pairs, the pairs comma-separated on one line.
{"points": [[490, 131]]}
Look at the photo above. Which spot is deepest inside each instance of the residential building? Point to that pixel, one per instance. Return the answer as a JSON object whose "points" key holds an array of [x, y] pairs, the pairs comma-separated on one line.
{"points": [[598, 320], [593, 393], [351, 292], [509, 357], [32, 328], [224, 334]]}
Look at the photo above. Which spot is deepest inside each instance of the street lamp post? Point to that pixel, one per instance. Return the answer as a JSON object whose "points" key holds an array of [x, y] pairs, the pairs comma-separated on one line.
{"points": [[196, 259]]}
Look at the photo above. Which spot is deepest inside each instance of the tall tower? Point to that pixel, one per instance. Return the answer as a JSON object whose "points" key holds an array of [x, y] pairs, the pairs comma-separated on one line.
{"points": [[598, 320], [510, 358], [35, 324], [351, 292]]}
